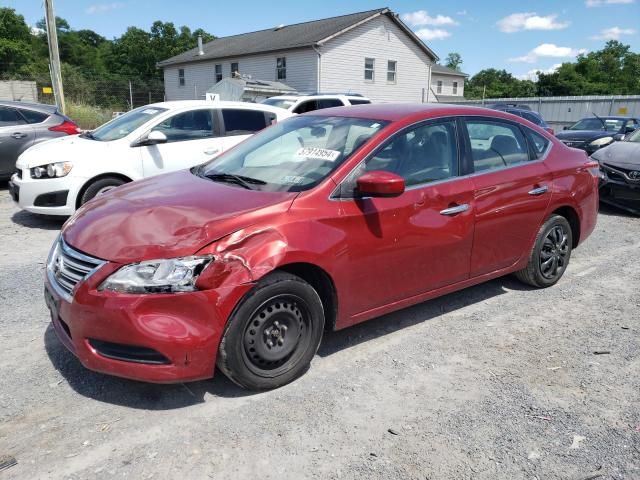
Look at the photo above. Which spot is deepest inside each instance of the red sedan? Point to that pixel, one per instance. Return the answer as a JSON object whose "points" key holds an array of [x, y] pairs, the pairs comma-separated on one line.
{"points": [[319, 222]]}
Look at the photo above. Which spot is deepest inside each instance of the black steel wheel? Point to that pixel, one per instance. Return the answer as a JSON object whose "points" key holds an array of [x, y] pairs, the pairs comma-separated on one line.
{"points": [[273, 333], [550, 254]]}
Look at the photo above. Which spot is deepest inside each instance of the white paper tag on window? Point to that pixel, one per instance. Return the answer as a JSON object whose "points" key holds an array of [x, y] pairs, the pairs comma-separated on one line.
{"points": [[149, 111], [318, 153]]}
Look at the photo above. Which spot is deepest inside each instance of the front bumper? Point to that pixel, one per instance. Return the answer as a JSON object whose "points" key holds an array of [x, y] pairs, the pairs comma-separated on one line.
{"points": [[165, 337], [618, 192], [34, 195]]}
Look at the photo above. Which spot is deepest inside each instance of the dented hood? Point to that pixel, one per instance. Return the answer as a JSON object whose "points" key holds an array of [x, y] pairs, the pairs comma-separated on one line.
{"points": [[167, 216]]}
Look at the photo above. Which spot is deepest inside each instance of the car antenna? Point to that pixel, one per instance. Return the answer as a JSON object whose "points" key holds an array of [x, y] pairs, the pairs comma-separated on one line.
{"points": [[604, 125]]}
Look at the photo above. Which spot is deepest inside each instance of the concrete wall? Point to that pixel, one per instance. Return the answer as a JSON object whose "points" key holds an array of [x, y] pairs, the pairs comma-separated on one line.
{"points": [[564, 111], [23, 90], [342, 63], [200, 76]]}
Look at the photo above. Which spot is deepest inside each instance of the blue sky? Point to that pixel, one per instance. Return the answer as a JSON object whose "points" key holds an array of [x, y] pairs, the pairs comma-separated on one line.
{"points": [[518, 36]]}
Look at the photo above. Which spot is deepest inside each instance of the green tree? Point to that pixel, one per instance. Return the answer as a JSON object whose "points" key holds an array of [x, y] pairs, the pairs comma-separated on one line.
{"points": [[15, 41], [453, 61]]}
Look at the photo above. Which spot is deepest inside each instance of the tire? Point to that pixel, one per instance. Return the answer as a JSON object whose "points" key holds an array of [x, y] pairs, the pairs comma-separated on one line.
{"points": [[100, 186], [273, 333], [550, 254]]}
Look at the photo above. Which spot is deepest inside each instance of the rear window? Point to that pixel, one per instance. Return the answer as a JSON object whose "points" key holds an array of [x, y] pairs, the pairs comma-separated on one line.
{"points": [[8, 116], [532, 118], [245, 122], [32, 116]]}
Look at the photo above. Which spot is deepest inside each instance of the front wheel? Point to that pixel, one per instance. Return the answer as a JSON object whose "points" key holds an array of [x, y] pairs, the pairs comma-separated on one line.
{"points": [[99, 187], [273, 333], [550, 255]]}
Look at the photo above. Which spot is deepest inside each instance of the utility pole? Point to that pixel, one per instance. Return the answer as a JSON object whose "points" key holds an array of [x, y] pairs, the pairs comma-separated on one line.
{"points": [[54, 54]]}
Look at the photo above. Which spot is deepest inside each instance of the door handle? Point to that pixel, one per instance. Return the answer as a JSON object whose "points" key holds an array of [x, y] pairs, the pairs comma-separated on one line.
{"points": [[18, 135], [212, 151], [455, 210], [539, 190]]}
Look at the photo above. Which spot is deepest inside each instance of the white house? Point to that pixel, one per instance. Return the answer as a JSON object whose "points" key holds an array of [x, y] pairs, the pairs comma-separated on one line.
{"points": [[447, 84], [372, 53]]}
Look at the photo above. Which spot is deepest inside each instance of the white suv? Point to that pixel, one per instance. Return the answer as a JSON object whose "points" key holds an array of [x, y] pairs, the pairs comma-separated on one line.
{"points": [[315, 101], [57, 176]]}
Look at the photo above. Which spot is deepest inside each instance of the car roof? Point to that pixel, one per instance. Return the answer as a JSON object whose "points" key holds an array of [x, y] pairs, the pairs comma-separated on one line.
{"points": [[394, 112], [305, 96], [610, 117], [42, 107], [176, 104]]}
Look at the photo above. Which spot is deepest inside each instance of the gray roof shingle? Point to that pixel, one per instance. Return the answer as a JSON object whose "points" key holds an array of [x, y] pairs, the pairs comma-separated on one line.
{"points": [[288, 37], [441, 69]]}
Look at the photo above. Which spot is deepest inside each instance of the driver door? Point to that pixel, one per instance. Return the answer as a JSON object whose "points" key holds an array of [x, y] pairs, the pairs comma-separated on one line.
{"points": [[419, 241], [192, 139]]}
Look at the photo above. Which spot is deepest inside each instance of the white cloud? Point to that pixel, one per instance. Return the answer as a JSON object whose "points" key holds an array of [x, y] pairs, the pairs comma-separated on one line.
{"points": [[432, 34], [103, 7], [533, 74], [547, 50], [421, 17], [597, 3], [613, 33], [530, 21]]}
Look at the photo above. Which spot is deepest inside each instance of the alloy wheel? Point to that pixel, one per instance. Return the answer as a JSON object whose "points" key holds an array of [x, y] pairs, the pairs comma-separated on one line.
{"points": [[554, 252]]}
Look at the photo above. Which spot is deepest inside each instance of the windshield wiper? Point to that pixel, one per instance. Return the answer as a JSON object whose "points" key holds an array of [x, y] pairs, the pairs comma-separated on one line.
{"points": [[241, 180], [88, 134]]}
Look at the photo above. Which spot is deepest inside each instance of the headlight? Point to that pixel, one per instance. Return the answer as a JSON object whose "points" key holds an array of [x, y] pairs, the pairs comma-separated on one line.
{"points": [[158, 276], [52, 170], [601, 141]]}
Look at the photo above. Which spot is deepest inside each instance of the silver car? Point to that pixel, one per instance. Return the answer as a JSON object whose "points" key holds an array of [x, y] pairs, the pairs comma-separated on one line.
{"points": [[24, 124]]}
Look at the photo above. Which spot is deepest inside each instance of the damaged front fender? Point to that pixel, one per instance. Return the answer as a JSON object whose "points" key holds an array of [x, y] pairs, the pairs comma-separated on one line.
{"points": [[243, 257]]}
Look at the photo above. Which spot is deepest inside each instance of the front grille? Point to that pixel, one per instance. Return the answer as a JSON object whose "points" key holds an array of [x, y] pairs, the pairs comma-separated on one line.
{"points": [[622, 174], [573, 144], [128, 353], [67, 268]]}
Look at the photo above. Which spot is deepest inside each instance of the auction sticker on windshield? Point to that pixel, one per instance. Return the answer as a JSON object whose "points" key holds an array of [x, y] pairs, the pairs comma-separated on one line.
{"points": [[318, 153]]}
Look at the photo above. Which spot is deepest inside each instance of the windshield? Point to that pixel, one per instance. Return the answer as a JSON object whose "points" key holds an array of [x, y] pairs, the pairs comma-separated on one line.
{"points": [[293, 155], [610, 124], [278, 102], [125, 124], [634, 137]]}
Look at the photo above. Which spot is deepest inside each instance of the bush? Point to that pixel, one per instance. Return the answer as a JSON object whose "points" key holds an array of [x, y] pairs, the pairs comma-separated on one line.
{"points": [[88, 116]]}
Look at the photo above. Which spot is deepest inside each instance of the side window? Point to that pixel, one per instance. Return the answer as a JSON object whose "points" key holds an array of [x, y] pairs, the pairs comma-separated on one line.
{"points": [[191, 125], [308, 106], [244, 122], [538, 142], [218, 68], [353, 101], [439, 86], [32, 116], [8, 116], [496, 144], [428, 153], [329, 102]]}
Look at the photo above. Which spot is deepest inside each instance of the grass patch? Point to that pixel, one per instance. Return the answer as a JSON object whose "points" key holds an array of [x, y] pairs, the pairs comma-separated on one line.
{"points": [[88, 116]]}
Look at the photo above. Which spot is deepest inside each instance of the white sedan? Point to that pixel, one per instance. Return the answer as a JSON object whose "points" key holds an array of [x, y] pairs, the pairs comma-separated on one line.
{"points": [[57, 176]]}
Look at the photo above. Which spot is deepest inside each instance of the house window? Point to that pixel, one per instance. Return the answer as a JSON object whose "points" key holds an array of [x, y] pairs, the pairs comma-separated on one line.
{"points": [[218, 72], [281, 68], [369, 64], [439, 88], [235, 69], [181, 77], [455, 88], [391, 71]]}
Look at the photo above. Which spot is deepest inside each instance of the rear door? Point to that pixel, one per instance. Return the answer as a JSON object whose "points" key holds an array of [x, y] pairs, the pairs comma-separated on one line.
{"points": [[16, 135], [192, 139], [512, 189], [238, 124]]}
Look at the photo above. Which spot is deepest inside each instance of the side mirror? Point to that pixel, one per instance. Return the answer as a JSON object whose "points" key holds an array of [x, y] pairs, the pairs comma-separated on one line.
{"points": [[379, 183], [153, 138], [618, 137]]}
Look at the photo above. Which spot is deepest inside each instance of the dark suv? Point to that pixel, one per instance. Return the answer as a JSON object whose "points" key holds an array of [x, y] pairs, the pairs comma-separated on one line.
{"points": [[525, 112], [25, 124]]}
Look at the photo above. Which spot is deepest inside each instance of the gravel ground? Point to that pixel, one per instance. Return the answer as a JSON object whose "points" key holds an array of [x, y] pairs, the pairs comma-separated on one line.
{"points": [[497, 381]]}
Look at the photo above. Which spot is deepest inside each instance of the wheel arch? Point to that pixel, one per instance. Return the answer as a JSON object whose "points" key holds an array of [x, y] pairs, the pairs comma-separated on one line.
{"points": [[322, 283], [86, 184], [572, 217]]}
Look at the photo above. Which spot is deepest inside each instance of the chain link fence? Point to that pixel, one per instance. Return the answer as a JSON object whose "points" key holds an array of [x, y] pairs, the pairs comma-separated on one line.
{"points": [[90, 100]]}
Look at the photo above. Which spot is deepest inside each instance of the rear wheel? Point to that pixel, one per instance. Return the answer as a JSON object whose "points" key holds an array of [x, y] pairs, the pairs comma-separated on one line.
{"points": [[99, 187], [273, 334], [550, 255]]}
